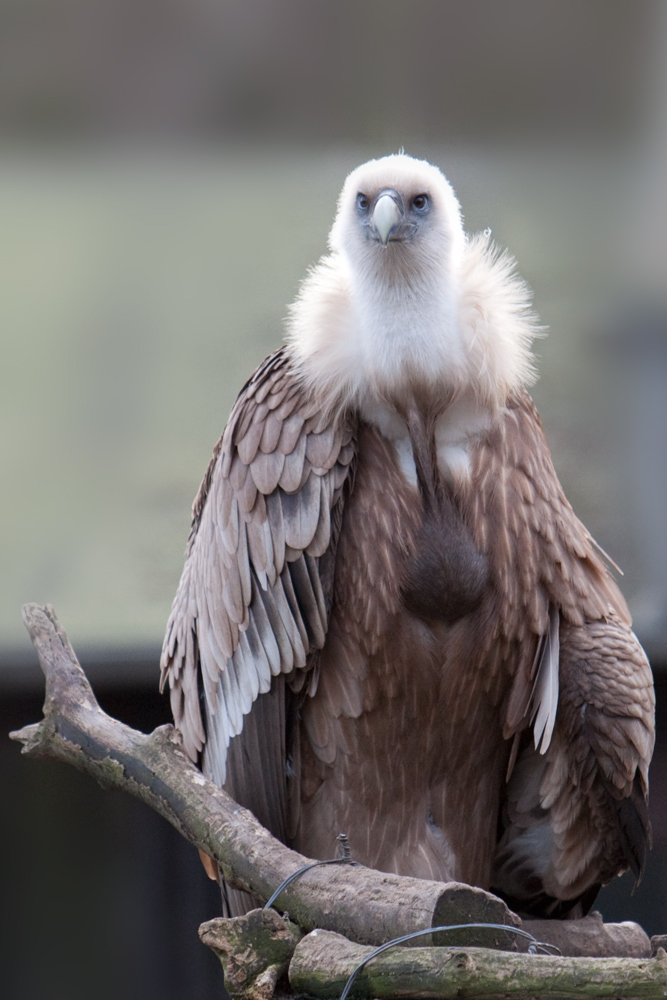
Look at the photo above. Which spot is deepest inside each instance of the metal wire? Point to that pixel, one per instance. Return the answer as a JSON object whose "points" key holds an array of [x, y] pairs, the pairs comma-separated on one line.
{"points": [[346, 859], [535, 948]]}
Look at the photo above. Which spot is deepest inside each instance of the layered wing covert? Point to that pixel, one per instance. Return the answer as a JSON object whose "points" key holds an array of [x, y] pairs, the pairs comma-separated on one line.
{"points": [[252, 602], [575, 811], [544, 565]]}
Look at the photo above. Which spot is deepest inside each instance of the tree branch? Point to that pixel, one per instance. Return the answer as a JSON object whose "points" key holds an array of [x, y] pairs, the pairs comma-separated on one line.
{"points": [[323, 961], [365, 905]]}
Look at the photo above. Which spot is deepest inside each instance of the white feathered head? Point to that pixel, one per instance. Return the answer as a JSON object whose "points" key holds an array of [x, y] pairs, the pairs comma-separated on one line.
{"points": [[399, 216]]}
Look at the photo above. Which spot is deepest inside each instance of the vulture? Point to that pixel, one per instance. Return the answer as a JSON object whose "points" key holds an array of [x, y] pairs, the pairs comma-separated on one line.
{"points": [[390, 622]]}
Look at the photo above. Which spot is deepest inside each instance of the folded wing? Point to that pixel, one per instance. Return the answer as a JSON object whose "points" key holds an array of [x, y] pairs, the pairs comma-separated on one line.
{"points": [[580, 704], [253, 599]]}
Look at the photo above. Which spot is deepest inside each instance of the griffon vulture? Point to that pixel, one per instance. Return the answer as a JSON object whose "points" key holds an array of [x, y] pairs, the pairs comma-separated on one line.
{"points": [[390, 622]]}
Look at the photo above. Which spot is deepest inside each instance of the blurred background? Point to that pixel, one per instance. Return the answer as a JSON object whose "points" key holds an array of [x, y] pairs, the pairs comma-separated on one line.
{"points": [[168, 171]]}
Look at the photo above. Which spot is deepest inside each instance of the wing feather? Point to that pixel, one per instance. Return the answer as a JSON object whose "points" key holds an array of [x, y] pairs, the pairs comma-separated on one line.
{"points": [[290, 433], [284, 627], [545, 695], [319, 447], [247, 671], [251, 603], [299, 634], [575, 812], [257, 546], [301, 513], [308, 591], [290, 477], [229, 523], [247, 495], [322, 534], [238, 473], [248, 442], [270, 434], [274, 513], [211, 660], [266, 635], [542, 558], [577, 816], [232, 594], [222, 629], [266, 470]]}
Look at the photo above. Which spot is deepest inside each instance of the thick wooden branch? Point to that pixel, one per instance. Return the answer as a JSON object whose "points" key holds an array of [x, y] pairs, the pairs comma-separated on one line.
{"points": [[365, 905], [323, 961], [590, 937]]}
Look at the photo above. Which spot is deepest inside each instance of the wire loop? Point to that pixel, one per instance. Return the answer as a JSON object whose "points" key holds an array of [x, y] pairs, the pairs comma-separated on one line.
{"points": [[534, 948], [346, 859]]}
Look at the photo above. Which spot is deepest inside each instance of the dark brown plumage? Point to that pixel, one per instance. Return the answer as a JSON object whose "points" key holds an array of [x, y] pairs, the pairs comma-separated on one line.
{"points": [[388, 606]]}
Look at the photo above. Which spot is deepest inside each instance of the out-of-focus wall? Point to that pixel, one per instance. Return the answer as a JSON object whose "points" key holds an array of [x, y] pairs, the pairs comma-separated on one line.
{"points": [[380, 71], [168, 171], [142, 292]]}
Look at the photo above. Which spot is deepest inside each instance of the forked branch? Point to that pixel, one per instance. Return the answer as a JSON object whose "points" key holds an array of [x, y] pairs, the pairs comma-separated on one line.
{"points": [[365, 905]]}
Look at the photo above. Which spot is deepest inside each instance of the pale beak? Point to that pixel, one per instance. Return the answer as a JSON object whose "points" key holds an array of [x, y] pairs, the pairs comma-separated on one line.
{"points": [[386, 217]]}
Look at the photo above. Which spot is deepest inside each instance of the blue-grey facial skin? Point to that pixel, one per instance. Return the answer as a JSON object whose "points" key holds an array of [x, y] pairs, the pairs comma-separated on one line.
{"points": [[387, 219]]}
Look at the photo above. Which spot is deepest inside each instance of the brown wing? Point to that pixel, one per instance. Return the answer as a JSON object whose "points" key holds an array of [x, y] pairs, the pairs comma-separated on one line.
{"points": [[576, 810], [578, 816], [540, 554], [252, 604]]}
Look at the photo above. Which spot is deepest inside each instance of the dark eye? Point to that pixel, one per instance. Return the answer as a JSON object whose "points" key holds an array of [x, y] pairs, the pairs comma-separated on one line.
{"points": [[362, 202], [420, 202]]}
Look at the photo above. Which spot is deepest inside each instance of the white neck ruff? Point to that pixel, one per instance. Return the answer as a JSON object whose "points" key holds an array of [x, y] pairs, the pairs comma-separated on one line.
{"points": [[353, 337]]}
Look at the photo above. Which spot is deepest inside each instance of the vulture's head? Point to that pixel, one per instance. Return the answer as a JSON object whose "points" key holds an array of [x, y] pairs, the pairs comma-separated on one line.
{"points": [[405, 302], [398, 216]]}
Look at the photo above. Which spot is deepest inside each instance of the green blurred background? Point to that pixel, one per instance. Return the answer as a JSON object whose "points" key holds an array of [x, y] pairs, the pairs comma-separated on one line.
{"points": [[168, 171]]}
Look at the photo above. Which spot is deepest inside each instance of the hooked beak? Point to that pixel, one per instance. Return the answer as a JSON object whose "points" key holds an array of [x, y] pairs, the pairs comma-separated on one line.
{"points": [[387, 215]]}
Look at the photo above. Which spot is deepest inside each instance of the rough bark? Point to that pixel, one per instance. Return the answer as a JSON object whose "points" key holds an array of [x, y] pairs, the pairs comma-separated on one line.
{"points": [[255, 950], [658, 941], [591, 937], [367, 906], [323, 961]]}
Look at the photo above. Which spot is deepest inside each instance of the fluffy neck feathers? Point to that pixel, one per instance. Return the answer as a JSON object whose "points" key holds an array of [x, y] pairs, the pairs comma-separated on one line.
{"points": [[354, 333]]}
